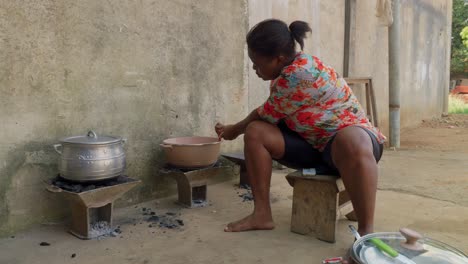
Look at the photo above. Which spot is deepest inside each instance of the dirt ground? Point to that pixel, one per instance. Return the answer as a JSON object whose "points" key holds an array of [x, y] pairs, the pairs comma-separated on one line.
{"points": [[423, 186]]}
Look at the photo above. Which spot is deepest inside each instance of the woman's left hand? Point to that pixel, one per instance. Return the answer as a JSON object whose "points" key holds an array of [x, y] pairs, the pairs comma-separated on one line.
{"points": [[228, 132]]}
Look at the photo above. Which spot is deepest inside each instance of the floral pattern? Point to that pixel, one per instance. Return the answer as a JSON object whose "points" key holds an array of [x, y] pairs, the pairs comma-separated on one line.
{"points": [[314, 101]]}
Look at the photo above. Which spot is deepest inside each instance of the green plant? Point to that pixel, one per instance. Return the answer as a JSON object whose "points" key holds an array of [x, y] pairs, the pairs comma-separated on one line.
{"points": [[459, 62], [464, 36], [457, 105]]}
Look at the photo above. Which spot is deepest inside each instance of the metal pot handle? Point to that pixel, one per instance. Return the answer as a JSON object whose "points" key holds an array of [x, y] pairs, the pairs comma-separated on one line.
{"points": [[166, 146], [56, 147], [53, 189], [92, 134]]}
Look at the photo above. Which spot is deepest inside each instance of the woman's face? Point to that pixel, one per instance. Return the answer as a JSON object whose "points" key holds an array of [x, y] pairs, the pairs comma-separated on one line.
{"points": [[266, 68]]}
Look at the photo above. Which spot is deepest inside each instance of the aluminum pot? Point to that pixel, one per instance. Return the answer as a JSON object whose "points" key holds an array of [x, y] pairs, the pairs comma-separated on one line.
{"points": [[191, 152], [91, 157], [407, 247]]}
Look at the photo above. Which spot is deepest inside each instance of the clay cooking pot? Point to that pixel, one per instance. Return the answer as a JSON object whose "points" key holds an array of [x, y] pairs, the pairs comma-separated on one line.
{"points": [[191, 152]]}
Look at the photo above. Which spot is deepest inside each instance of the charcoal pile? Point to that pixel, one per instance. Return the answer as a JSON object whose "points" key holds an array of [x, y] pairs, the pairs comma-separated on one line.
{"points": [[78, 187]]}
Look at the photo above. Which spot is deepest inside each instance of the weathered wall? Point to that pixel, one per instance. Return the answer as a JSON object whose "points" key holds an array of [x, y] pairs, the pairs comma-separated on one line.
{"points": [[424, 49], [425, 30], [326, 18], [424, 57], [369, 55], [144, 70]]}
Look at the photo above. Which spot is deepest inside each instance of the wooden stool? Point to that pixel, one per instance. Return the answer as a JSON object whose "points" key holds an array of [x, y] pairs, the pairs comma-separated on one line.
{"points": [[317, 200]]}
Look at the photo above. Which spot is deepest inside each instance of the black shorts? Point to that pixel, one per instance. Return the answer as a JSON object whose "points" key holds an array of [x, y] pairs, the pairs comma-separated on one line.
{"points": [[299, 154]]}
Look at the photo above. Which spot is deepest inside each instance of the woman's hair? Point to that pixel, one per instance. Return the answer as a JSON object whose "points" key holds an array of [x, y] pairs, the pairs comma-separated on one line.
{"points": [[273, 37]]}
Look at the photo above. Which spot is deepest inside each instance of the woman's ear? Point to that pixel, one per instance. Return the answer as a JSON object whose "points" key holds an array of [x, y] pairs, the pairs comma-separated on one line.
{"points": [[281, 59]]}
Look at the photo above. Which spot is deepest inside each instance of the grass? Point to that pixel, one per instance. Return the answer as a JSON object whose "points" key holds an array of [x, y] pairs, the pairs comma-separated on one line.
{"points": [[457, 105]]}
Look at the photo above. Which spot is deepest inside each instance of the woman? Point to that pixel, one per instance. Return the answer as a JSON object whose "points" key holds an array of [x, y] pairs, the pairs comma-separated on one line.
{"points": [[310, 120]]}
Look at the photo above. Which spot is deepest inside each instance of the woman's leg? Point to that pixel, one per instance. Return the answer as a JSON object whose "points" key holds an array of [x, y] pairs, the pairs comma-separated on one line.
{"points": [[352, 154], [262, 143]]}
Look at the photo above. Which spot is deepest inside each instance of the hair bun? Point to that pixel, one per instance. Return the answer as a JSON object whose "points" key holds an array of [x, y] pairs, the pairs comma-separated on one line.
{"points": [[298, 31]]}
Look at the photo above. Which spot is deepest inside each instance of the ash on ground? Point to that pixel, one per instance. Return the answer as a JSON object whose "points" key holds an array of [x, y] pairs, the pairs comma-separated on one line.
{"points": [[199, 203], [78, 187], [102, 229], [168, 220]]}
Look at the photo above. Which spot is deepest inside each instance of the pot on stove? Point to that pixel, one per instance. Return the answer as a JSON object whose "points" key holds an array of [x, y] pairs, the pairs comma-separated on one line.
{"points": [[91, 157], [191, 152]]}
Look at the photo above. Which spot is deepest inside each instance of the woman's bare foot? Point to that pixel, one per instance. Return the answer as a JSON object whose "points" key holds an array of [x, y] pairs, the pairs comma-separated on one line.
{"points": [[251, 222]]}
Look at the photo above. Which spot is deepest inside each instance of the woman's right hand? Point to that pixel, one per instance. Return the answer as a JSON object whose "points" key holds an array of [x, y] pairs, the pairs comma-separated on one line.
{"points": [[227, 132]]}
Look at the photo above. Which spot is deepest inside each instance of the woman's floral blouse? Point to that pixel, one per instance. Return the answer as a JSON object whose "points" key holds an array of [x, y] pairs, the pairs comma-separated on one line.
{"points": [[314, 101]]}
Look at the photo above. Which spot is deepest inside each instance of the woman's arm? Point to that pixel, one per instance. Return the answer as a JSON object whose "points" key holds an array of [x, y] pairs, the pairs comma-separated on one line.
{"points": [[230, 132]]}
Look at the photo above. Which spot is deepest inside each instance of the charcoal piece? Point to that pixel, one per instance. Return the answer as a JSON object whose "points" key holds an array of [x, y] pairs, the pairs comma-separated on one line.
{"points": [[180, 222], [73, 255], [152, 213], [44, 244], [170, 213], [143, 209], [118, 231], [246, 197], [245, 186], [167, 225], [153, 218], [76, 187]]}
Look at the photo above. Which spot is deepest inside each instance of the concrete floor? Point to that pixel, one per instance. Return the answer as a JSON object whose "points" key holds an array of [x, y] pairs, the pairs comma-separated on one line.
{"points": [[423, 186]]}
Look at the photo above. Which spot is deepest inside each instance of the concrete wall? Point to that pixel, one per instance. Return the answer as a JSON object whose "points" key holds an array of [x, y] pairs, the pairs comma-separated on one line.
{"points": [[144, 70], [326, 19], [369, 55], [426, 29], [424, 57], [425, 49]]}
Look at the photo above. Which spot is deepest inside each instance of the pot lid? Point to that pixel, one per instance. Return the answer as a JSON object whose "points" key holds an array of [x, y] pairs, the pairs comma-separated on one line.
{"points": [[406, 247], [91, 138]]}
